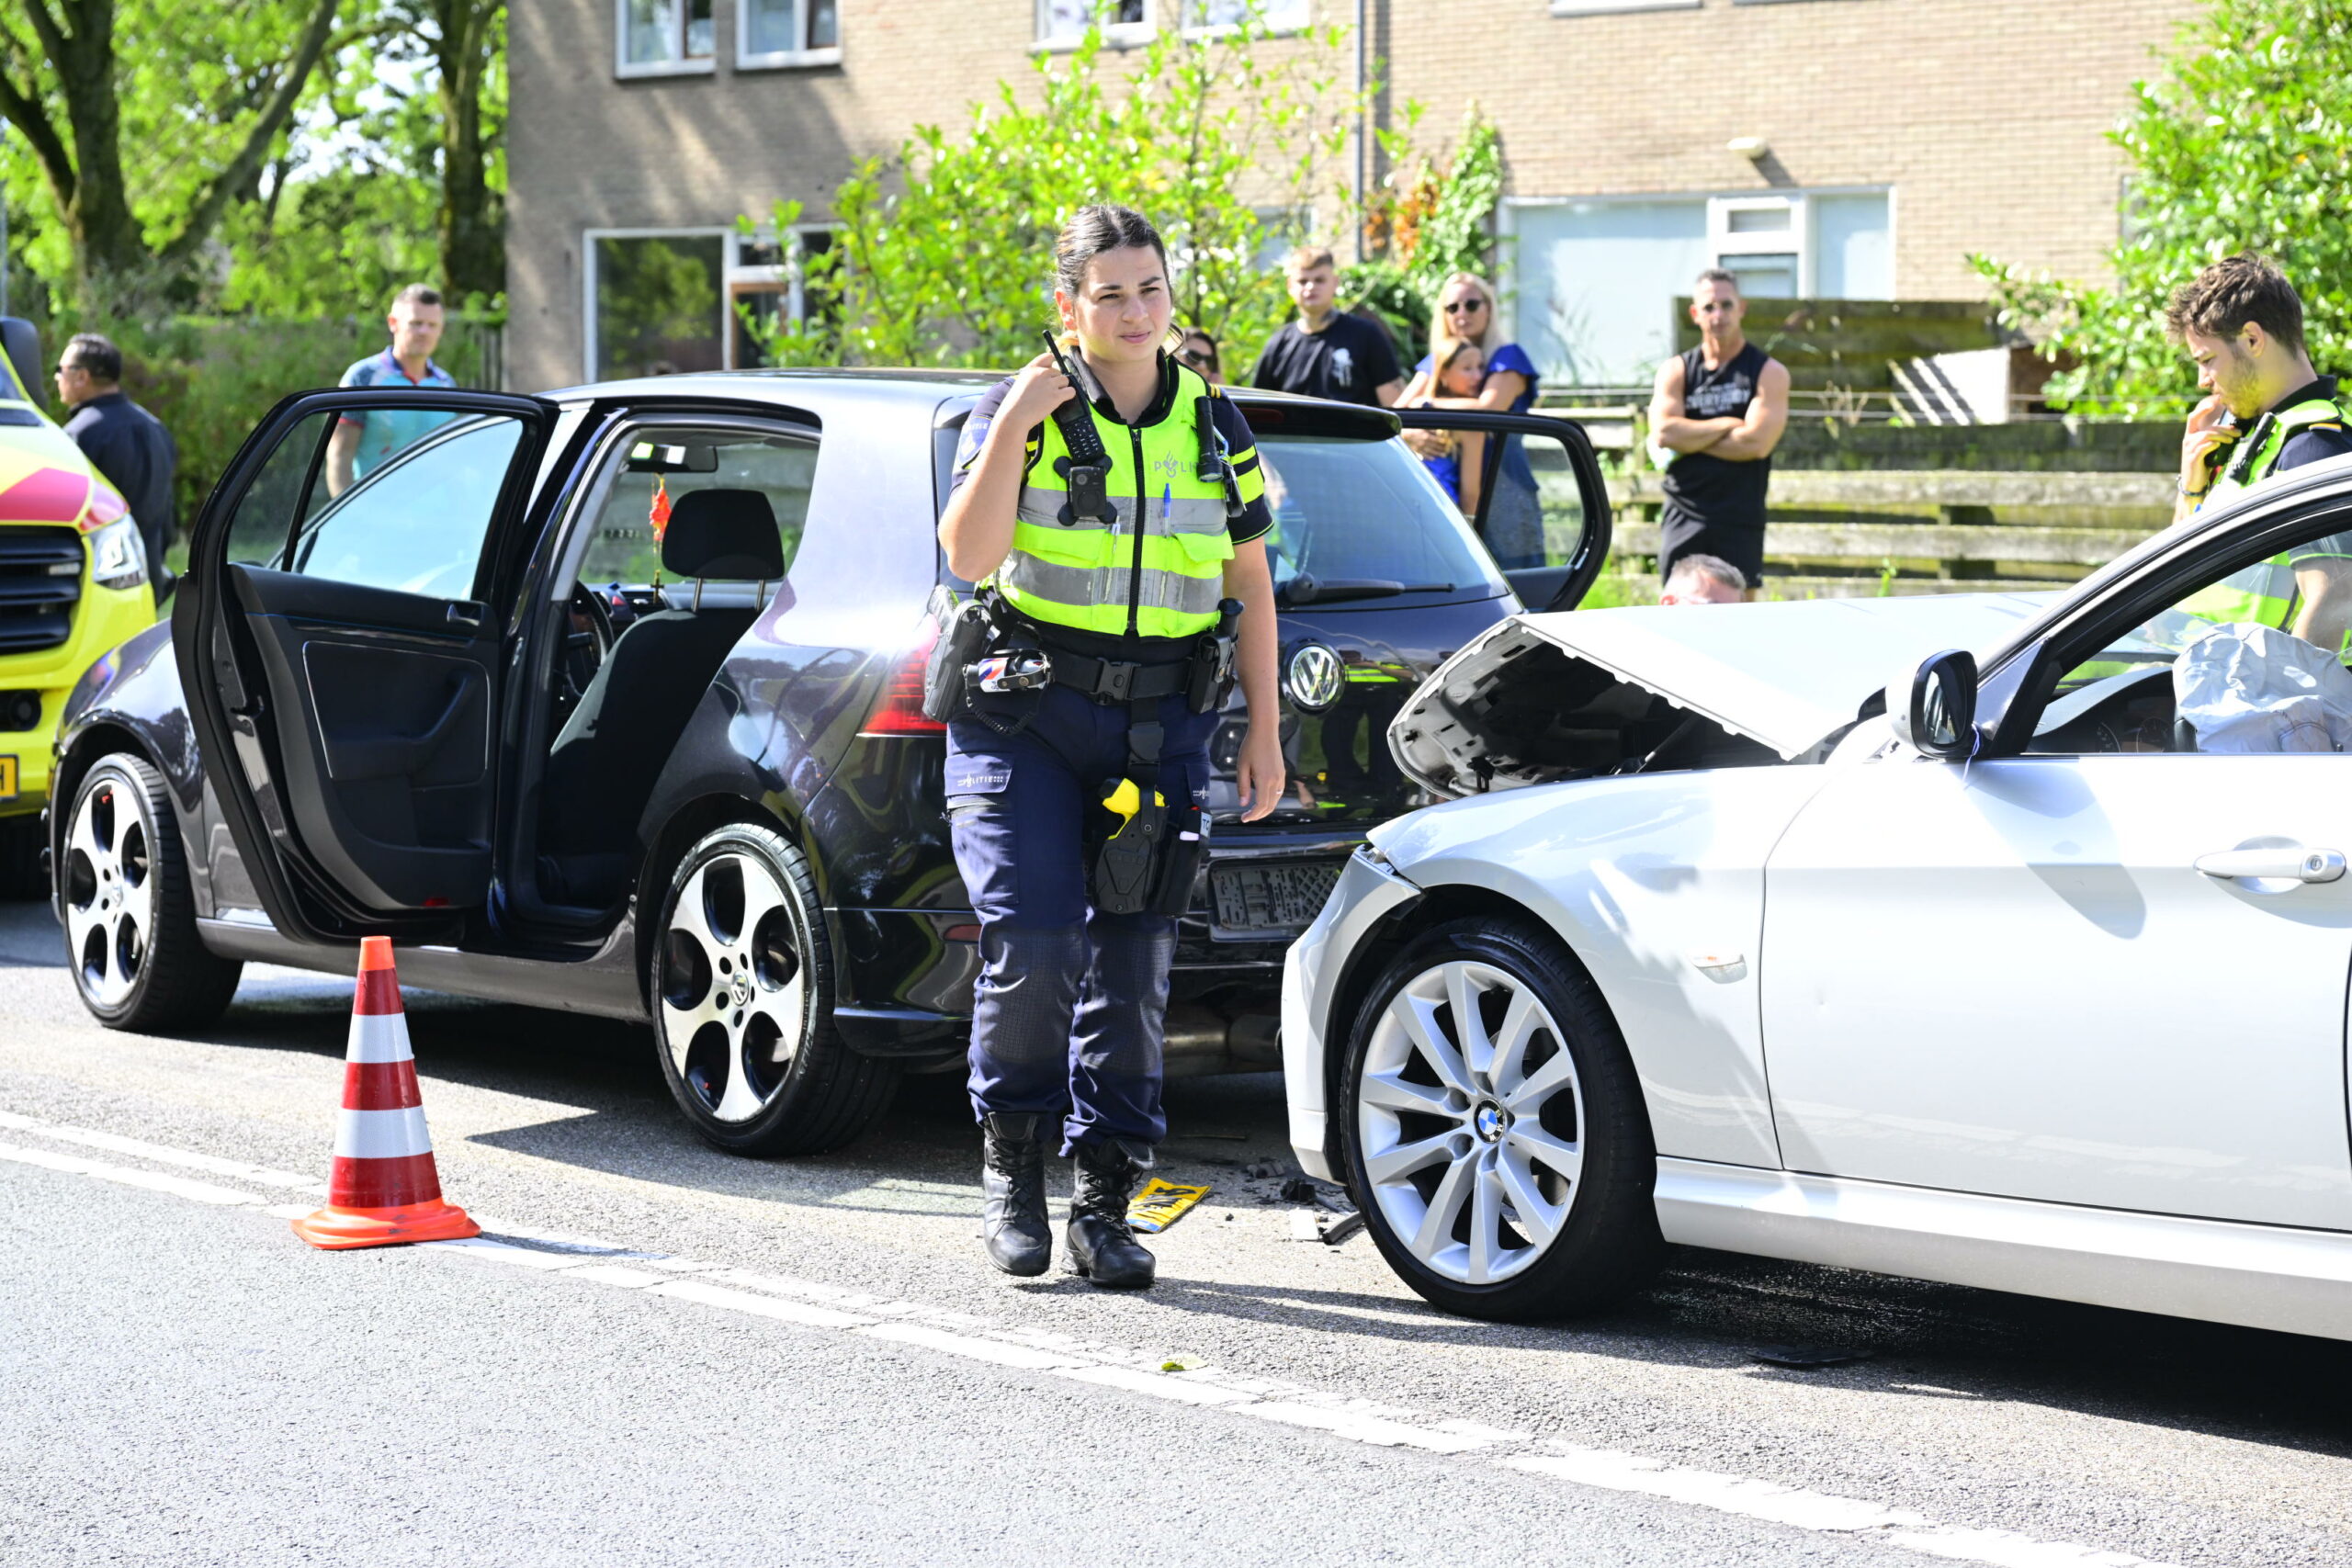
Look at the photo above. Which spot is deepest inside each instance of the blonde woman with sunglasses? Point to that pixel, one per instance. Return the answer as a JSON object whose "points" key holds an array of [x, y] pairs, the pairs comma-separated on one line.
{"points": [[1466, 310]]}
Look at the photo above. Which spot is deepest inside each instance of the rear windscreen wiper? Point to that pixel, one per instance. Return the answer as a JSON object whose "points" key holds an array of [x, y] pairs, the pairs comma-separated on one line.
{"points": [[1306, 590]]}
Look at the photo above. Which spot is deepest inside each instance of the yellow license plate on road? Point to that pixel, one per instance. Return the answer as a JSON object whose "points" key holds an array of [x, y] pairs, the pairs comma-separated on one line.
{"points": [[7, 778]]}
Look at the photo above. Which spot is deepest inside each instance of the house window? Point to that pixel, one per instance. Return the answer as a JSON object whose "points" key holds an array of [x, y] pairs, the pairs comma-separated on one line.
{"points": [[767, 282], [1222, 15], [787, 32], [1759, 241], [663, 37], [1062, 23], [1595, 279], [667, 302]]}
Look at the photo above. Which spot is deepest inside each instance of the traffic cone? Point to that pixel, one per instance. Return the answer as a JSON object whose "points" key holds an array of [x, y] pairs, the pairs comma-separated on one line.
{"points": [[384, 1189]]}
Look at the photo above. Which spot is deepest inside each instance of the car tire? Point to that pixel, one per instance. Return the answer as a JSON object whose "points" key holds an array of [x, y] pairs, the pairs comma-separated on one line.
{"points": [[20, 846], [129, 909], [741, 988], [1510, 1176]]}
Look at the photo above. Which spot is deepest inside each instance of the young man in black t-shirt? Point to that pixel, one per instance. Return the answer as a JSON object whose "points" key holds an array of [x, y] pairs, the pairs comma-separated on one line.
{"points": [[1327, 353]]}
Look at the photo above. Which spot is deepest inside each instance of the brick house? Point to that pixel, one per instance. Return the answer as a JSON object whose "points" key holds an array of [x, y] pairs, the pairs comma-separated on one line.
{"points": [[1821, 148]]}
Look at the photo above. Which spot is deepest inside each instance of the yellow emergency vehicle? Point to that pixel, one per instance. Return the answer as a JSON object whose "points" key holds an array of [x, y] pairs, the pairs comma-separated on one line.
{"points": [[74, 582]]}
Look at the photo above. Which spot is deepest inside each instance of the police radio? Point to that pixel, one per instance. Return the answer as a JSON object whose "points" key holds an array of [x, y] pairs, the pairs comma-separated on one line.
{"points": [[1087, 469]]}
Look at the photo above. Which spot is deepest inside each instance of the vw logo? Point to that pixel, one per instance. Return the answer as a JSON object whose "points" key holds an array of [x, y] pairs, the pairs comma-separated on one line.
{"points": [[1490, 1123], [1316, 677], [742, 988]]}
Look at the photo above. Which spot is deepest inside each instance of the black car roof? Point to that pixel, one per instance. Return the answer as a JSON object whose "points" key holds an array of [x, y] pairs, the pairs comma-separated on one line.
{"points": [[824, 392]]}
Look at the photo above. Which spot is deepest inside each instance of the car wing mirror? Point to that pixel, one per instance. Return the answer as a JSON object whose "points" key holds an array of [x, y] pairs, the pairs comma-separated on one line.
{"points": [[1934, 709]]}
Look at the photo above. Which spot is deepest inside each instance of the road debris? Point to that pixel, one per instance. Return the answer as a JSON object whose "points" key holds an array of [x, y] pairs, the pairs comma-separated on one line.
{"points": [[1329, 1229], [1163, 1203]]}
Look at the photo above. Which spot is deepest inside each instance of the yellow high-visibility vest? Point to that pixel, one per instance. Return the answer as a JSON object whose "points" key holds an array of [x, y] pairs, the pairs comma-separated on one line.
{"points": [[1159, 570]]}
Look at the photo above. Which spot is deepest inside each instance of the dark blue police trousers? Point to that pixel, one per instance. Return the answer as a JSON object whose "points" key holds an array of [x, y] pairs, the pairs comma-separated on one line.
{"points": [[1070, 1012]]}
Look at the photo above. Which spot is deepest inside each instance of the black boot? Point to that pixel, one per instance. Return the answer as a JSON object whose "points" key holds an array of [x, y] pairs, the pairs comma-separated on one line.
{"points": [[1013, 1228], [1101, 1247]]}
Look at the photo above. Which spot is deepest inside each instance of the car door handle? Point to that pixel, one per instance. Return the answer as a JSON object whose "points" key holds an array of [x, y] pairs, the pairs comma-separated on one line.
{"points": [[464, 616], [2302, 865]]}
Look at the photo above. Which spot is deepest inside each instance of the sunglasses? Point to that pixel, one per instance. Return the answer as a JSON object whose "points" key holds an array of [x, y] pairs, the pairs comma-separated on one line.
{"points": [[1462, 307], [1196, 357]]}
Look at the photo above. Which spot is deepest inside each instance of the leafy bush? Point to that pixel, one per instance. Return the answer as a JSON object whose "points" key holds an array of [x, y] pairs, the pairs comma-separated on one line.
{"points": [[944, 251], [1434, 224], [2242, 141]]}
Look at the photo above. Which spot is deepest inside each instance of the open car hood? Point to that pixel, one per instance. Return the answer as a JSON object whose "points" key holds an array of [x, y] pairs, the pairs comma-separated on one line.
{"points": [[1530, 700]]}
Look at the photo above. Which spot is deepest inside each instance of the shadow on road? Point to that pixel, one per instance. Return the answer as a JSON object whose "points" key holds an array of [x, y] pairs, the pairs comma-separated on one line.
{"points": [[1924, 1340]]}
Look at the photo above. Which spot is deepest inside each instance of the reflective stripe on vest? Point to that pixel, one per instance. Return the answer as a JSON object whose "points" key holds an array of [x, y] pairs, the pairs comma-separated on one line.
{"points": [[1074, 571], [2263, 591]]}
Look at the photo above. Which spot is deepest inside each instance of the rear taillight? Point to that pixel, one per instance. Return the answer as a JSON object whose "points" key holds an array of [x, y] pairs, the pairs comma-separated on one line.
{"points": [[900, 710]]}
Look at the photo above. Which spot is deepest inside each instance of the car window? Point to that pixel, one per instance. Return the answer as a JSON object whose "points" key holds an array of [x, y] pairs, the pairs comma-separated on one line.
{"points": [[1365, 512], [1533, 509], [268, 512], [414, 523], [661, 466], [2253, 659]]}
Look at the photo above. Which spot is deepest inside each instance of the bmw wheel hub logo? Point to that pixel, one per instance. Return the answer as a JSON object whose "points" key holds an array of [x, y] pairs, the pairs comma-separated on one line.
{"points": [[1315, 678], [1491, 1121]]}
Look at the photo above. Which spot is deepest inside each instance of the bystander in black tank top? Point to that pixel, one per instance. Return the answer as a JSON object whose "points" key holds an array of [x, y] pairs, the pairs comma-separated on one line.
{"points": [[1708, 491]]}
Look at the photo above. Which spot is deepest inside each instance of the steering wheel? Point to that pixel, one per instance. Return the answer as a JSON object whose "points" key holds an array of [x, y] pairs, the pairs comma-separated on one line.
{"points": [[583, 651]]}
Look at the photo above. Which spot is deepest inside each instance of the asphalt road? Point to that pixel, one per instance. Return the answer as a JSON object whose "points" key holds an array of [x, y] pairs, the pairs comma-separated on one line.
{"points": [[678, 1355]]}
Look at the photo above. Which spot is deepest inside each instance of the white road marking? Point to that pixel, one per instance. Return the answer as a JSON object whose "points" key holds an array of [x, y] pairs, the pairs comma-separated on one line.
{"points": [[614, 1274], [489, 1251], [965, 1345], [1159, 1385], [762, 1306], [1364, 1428], [114, 1142], [834, 1307], [178, 1186]]}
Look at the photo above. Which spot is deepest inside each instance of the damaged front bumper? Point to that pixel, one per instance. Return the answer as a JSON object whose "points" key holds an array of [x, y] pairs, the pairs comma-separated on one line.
{"points": [[1369, 892]]}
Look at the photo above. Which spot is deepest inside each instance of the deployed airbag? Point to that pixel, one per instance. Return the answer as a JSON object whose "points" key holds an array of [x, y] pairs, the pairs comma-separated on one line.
{"points": [[2250, 688]]}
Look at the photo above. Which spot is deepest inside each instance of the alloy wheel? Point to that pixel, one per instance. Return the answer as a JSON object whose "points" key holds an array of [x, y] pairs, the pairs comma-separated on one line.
{"points": [[1470, 1117], [109, 891], [732, 986]]}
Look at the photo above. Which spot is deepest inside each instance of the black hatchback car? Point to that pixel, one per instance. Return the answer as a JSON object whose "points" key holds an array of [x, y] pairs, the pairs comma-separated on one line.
{"points": [[609, 701]]}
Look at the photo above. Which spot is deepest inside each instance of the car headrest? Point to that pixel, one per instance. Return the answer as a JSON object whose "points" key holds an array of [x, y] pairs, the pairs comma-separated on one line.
{"points": [[727, 534]]}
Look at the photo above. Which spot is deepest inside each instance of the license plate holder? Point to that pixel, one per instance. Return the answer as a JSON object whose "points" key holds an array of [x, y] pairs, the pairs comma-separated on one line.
{"points": [[1274, 897]]}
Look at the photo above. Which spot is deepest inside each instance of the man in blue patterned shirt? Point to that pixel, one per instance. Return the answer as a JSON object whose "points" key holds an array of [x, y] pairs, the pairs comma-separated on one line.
{"points": [[362, 441]]}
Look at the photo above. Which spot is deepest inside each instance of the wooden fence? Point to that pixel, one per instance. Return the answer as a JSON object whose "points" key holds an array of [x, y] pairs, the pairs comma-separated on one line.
{"points": [[1839, 533]]}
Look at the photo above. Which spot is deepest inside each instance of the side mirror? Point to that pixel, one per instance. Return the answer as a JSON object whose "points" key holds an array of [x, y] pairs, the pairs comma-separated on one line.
{"points": [[1934, 710], [22, 344]]}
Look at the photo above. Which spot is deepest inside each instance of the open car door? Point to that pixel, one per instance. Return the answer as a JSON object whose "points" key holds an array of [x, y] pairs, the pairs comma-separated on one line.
{"points": [[338, 636], [1532, 488]]}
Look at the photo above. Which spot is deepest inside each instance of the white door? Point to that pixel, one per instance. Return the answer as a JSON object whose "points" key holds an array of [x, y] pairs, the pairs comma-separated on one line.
{"points": [[2012, 979]]}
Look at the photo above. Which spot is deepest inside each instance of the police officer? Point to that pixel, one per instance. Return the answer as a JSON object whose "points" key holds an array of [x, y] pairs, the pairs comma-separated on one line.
{"points": [[2266, 411], [1114, 570]]}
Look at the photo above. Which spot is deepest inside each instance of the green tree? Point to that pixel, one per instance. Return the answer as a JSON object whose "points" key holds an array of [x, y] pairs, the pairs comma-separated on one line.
{"points": [[2242, 141], [942, 252], [1435, 221], [465, 42], [398, 176], [139, 183]]}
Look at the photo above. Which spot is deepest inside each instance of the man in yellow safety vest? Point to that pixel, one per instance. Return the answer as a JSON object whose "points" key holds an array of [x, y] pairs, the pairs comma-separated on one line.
{"points": [[2266, 410]]}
